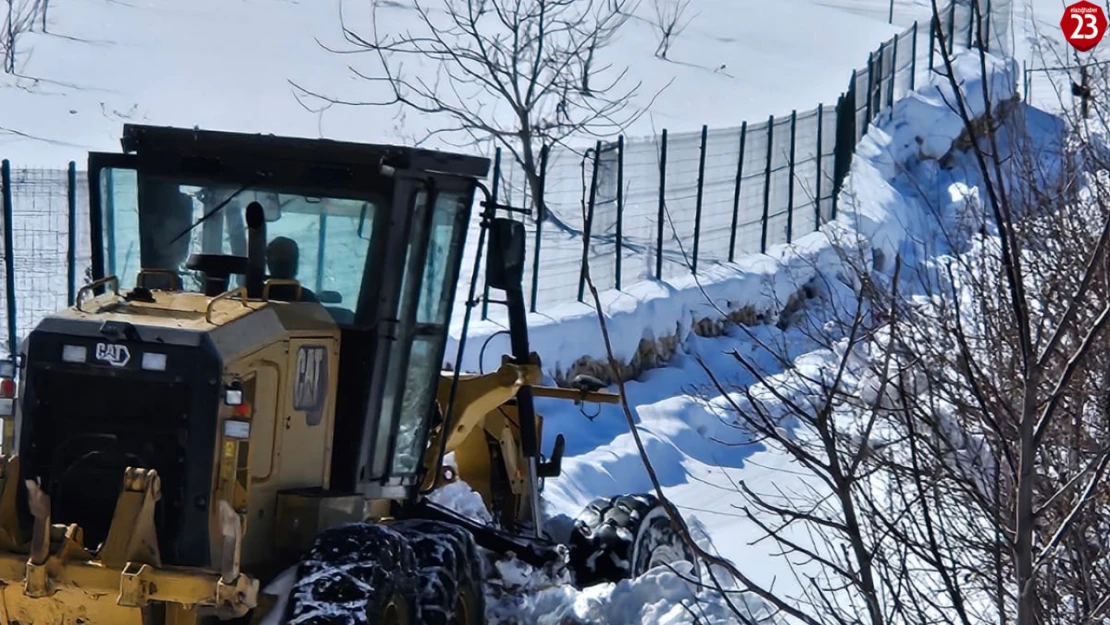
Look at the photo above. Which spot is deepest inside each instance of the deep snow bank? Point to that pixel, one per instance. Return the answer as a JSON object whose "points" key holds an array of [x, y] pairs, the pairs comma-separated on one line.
{"points": [[647, 320], [689, 431]]}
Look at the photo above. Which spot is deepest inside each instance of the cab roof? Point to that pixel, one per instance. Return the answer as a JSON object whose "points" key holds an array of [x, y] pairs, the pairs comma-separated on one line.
{"points": [[196, 143]]}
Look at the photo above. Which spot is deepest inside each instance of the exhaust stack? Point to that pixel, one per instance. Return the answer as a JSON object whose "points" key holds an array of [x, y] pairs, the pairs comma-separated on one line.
{"points": [[256, 249]]}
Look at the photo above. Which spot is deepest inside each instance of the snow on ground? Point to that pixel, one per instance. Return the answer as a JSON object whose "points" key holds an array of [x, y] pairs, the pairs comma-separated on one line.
{"points": [[227, 66], [701, 457], [698, 453], [202, 63]]}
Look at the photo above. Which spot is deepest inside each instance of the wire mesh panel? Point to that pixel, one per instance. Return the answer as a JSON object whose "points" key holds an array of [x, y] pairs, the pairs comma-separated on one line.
{"points": [[722, 156], [903, 71], [683, 156], [1050, 88], [806, 153], [598, 205], [862, 79], [828, 162], [40, 231], [963, 23], [641, 208], [759, 184], [753, 185], [881, 82], [778, 199], [997, 26]]}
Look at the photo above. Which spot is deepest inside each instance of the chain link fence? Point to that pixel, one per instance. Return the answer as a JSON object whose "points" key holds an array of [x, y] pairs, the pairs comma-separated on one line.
{"points": [[49, 245], [636, 209], [661, 207]]}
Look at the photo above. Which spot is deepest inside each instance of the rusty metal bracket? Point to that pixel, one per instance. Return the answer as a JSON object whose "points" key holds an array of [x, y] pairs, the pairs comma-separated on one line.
{"points": [[11, 537]]}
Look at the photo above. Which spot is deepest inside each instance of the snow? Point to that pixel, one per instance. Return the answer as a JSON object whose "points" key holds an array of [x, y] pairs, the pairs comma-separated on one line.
{"points": [[202, 63], [918, 127], [229, 66], [700, 455]]}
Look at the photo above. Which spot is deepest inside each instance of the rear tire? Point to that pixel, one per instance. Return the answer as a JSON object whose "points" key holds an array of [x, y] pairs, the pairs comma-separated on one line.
{"points": [[448, 572], [355, 574], [618, 538]]}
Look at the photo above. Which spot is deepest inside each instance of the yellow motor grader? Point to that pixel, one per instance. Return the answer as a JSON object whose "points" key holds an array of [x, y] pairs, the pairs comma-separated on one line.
{"points": [[252, 384]]}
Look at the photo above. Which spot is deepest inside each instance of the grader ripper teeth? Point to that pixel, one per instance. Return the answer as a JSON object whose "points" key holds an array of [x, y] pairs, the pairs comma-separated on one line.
{"points": [[125, 574]]}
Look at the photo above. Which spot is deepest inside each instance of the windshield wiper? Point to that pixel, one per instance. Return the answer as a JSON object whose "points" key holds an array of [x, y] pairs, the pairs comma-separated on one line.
{"points": [[212, 212]]}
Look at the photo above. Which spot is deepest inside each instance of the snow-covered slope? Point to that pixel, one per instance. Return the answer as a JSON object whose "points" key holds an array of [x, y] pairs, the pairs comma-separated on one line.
{"points": [[227, 66], [690, 436]]}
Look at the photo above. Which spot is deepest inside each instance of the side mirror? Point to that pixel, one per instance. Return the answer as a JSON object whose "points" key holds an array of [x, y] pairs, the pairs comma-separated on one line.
{"points": [[505, 257], [330, 297]]}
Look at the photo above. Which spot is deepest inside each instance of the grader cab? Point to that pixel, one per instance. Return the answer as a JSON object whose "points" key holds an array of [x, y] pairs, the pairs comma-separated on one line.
{"points": [[252, 383]]}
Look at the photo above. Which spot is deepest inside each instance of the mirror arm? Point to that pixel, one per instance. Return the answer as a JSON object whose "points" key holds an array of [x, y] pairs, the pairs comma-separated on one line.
{"points": [[492, 207]]}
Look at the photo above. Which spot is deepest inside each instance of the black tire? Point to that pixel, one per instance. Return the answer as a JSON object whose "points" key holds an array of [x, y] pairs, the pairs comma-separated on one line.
{"points": [[448, 572], [618, 538], [356, 574]]}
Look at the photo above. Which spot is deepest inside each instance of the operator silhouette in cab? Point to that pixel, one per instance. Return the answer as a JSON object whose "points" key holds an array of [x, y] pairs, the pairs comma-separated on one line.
{"points": [[282, 259]]}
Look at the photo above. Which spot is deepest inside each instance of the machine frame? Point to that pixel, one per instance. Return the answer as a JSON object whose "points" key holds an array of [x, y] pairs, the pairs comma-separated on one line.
{"points": [[360, 505]]}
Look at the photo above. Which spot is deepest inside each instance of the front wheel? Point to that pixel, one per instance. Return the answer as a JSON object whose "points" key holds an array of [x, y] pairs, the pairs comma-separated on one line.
{"points": [[617, 538], [448, 571], [361, 573]]}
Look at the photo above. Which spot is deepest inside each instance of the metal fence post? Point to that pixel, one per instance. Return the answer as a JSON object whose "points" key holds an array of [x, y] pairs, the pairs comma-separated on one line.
{"points": [[893, 74], [987, 29], [1025, 81], [588, 226], [493, 197], [698, 202], [870, 83], [736, 194], [9, 256], [974, 15], [845, 142], [876, 90], [951, 26], [790, 188], [767, 183], [71, 235], [544, 151], [913, 58], [662, 206], [932, 40], [820, 157], [620, 209]]}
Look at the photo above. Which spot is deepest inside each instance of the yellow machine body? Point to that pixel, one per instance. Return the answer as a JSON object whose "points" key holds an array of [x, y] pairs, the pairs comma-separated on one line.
{"points": [[242, 399], [269, 522]]}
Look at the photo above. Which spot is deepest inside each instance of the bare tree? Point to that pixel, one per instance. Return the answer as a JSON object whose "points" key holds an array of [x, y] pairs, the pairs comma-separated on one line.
{"points": [[958, 432], [670, 21], [526, 74], [20, 18]]}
